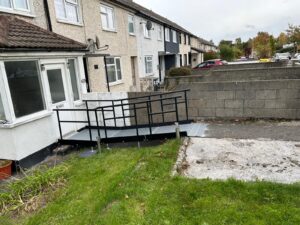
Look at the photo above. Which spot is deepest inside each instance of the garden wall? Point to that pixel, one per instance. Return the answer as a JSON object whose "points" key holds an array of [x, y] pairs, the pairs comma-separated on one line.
{"points": [[262, 93]]}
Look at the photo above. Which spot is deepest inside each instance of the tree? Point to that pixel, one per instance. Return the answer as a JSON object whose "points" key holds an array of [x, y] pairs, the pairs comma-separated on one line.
{"points": [[210, 55], [293, 33], [226, 52], [272, 45], [261, 45], [281, 40]]}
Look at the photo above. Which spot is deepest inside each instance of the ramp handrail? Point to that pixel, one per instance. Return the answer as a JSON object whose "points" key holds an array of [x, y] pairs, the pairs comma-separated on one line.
{"points": [[132, 107]]}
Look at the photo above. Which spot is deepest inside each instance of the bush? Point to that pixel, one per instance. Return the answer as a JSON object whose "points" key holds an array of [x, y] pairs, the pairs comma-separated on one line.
{"points": [[181, 71]]}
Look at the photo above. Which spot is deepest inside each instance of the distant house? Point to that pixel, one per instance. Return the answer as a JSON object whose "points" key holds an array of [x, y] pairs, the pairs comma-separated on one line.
{"points": [[39, 71], [207, 46]]}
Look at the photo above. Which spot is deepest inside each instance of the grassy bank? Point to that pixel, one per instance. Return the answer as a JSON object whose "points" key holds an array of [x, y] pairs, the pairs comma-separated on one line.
{"points": [[133, 186]]}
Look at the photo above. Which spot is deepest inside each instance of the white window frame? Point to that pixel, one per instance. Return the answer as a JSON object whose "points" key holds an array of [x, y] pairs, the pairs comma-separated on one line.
{"points": [[147, 33], [160, 33], [130, 16], [77, 79], [174, 36], [14, 9], [147, 60], [75, 3], [113, 28], [116, 69], [8, 102], [167, 34]]}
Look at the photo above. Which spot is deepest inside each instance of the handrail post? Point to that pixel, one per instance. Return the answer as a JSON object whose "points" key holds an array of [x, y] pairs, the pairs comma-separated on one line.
{"points": [[114, 112], [162, 107], [59, 125], [149, 118], [186, 105], [97, 122], [136, 122], [150, 109], [176, 106], [123, 113], [104, 123], [89, 121]]}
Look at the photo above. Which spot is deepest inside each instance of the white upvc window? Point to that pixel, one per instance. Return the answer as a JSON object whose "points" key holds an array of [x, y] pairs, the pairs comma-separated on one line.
{"points": [[15, 5], [131, 29], [74, 79], [147, 33], [68, 11], [2, 113], [167, 34], [149, 64], [160, 33], [114, 70], [174, 35], [25, 87], [107, 18]]}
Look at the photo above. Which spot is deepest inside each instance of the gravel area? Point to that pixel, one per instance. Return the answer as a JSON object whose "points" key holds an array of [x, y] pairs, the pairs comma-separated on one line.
{"points": [[241, 159]]}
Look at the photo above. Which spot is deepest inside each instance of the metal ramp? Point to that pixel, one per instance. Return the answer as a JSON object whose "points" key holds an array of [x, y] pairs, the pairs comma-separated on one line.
{"points": [[132, 119]]}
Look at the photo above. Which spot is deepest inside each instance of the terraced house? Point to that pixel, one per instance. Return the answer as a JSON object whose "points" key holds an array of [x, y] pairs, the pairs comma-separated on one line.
{"points": [[53, 52]]}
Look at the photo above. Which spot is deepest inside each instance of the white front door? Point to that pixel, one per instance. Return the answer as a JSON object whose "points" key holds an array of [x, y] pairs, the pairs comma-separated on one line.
{"points": [[59, 94]]}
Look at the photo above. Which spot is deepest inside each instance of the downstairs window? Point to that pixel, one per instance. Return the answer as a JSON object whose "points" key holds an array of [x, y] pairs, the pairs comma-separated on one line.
{"points": [[2, 114], [25, 86]]}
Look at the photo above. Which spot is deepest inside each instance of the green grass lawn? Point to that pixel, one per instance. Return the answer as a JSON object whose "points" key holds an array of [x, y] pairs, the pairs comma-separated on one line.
{"points": [[135, 186]]}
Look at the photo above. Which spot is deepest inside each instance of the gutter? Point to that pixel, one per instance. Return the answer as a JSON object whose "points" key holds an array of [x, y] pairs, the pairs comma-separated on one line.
{"points": [[40, 50], [47, 12]]}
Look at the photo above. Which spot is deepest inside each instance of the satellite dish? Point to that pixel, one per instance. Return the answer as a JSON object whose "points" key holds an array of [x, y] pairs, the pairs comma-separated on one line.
{"points": [[149, 25], [98, 42]]}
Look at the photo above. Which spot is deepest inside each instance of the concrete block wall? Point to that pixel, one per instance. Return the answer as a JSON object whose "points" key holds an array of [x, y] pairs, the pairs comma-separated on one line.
{"points": [[279, 99]]}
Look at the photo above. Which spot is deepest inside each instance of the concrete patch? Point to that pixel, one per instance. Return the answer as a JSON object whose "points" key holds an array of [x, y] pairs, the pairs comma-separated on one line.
{"points": [[248, 160]]}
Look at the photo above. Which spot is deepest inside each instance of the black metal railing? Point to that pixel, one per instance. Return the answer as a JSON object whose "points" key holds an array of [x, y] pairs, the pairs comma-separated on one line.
{"points": [[129, 108]]}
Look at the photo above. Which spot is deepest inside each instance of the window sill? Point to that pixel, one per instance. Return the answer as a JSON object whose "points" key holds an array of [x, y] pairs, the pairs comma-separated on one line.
{"points": [[108, 30], [26, 119], [116, 83], [132, 34], [70, 23], [149, 38], [17, 12]]}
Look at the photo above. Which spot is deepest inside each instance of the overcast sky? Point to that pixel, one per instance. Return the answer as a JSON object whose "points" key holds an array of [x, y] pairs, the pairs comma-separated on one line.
{"points": [[228, 19]]}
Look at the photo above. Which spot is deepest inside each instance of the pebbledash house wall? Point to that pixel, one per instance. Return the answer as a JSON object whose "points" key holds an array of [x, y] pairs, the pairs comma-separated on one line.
{"points": [[149, 47], [121, 43], [185, 49], [36, 15], [235, 96]]}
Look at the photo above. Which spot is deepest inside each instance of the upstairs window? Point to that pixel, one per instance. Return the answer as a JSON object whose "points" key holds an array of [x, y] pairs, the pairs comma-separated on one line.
{"points": [[149, 64], [160, 33], [167, 34], [131, 24], [107, 18], [21, 5], [114, 69], [67, 10], [147, 33], [174, 34]]}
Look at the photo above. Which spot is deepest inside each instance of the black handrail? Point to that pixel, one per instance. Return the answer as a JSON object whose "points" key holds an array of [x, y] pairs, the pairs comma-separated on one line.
{"points": [[132, 107]]}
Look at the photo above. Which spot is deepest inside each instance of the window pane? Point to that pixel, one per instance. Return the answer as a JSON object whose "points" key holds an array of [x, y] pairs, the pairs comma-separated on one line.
{"points": [[72, 12], [60, 9], [56, 86], [110, 61], [21, 4], [2, 114], [110, 16], [74, 81], [111, 72], [104, 21], [119, 73], [130, 24], [25, 87], [5, 3]]}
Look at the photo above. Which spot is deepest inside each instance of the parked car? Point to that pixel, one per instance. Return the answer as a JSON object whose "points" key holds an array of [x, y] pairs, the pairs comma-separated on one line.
{"points": [[210, 63], [282, 56], [264, 60], [297, 56]]}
